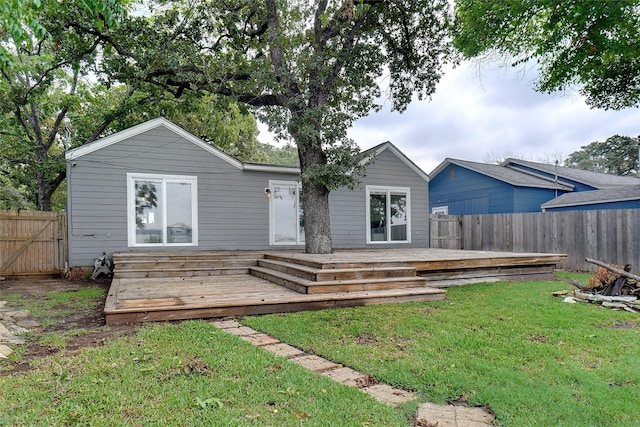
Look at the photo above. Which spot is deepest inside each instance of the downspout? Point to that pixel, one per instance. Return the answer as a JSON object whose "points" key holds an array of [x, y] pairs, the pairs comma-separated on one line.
{"points": [[556, 179]]}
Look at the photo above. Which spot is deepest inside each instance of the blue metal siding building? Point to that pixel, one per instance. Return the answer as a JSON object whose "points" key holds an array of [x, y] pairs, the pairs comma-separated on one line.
{"points": [[464, 188]]}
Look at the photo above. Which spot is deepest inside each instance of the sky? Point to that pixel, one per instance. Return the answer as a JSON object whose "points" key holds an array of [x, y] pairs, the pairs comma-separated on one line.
{"points": [[487, 112]]}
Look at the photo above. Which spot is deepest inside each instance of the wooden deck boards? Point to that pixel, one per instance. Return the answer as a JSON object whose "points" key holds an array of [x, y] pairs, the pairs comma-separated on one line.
{"points": [[170, 298]]}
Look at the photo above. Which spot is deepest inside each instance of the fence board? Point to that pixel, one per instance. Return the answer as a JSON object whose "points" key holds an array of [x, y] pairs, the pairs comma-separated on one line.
{"points": [[612, 236], [32, 242]]}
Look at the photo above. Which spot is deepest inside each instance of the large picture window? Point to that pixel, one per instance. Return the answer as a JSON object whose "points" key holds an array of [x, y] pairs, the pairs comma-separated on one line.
{"points": [[286, 214], [388, 215], [162, 210]]}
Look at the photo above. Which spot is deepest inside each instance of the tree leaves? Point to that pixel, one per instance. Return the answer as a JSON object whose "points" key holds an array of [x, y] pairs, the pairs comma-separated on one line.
{"points": [[594, 44]]}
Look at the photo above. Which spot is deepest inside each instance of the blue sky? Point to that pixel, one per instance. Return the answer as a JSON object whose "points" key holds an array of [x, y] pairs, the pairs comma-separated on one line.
{"points": [[482, 112]]}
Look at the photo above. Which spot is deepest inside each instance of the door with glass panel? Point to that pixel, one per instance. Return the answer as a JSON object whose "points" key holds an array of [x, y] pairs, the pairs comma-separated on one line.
{"points": [[287, 221]]}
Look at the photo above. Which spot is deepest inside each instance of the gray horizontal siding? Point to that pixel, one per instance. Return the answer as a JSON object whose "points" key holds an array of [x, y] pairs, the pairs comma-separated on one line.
{"points": [[349, 222], [233, 211]]}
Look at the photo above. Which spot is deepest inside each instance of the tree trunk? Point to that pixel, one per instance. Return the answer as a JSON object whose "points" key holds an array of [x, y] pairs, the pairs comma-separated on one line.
{"points": [[315, 195], [44, 193], [317, 224]]}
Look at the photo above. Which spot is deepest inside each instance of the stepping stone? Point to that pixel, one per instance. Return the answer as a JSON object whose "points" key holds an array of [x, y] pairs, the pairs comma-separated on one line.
{"points": [[346, 376], [473, 415], [4, 330], [314, 363], [455, 416], [260, 339], [390, 395], [5, 351], [284, 350], [226, 324], [27, 323], [241, 331], [440, 415]]}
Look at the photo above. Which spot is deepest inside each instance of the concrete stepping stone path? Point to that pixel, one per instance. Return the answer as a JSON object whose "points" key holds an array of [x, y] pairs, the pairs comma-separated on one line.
{"points": [[429, 414]]}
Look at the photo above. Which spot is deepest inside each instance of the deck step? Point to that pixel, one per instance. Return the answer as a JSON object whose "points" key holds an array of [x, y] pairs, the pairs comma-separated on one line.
{"points": [[184, 264], [306, 286], [310, 273], [334, 264], [179, 272]]}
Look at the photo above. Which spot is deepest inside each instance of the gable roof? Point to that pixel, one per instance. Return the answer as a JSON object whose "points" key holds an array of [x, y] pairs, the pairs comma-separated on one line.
{"points": [[378, 149], [162, 122], [514, 177], [593, 179], [620, 194], [249, 166]]}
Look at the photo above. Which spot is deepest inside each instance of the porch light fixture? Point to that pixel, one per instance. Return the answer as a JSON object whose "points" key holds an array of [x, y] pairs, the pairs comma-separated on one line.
{"points": [[267, 191]]}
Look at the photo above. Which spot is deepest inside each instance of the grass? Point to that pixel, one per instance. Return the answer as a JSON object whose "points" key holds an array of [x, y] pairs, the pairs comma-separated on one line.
{"points": [[187, 373], [529, 357]]}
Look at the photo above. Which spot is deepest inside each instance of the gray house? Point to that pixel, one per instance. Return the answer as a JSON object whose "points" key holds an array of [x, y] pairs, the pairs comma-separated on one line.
{"points": [[157, 187]]}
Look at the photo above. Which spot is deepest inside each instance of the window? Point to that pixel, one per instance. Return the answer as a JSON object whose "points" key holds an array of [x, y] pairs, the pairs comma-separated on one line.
{"points": [[388, 218], [162, 210], [286, 214]]}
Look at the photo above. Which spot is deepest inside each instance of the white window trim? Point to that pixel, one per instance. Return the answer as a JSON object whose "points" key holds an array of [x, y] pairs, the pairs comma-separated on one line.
{"points": [[131, 208], [388, 190], [272, 213]]}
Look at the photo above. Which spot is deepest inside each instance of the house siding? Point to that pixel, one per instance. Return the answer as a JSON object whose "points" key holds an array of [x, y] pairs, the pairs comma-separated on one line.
{"points": [[528, 199], [233, 210], [466, 192], [348, 208]]}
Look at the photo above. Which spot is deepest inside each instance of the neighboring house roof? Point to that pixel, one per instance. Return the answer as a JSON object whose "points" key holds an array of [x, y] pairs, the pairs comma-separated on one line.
{"points": [[610, 195], [508, 175], [260, 167], [375, 151], [593, 179]]}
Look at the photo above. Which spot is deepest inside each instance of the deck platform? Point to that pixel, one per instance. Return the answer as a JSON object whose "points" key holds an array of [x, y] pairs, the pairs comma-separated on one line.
{"points": [[158, 286]]}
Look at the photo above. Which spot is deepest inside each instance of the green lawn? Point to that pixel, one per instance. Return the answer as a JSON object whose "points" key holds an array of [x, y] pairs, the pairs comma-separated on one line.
{"points": [[529, 357], [183, 374]]}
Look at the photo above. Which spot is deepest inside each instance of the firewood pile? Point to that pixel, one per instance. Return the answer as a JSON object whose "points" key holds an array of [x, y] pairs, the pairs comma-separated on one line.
{"points": [[612, 286]]}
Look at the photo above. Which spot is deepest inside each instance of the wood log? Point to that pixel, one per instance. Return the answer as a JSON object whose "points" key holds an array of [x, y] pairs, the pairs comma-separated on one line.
{"points": [[578, 285], [615, 270]]}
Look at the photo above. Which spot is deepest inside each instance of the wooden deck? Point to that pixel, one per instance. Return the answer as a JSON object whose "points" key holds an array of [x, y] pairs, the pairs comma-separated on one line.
{"points": [[157, 286]]}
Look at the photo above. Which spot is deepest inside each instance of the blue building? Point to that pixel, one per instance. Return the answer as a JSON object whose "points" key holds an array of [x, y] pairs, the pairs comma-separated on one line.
{"points": [[460, 187]]}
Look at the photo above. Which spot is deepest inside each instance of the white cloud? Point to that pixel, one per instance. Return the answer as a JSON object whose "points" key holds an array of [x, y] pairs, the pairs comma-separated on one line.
{"points": [[494, 112]]}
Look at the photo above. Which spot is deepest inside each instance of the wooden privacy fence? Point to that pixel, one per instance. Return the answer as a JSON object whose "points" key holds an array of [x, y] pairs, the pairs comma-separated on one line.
{"points": [[612, 236], [32, 243]]}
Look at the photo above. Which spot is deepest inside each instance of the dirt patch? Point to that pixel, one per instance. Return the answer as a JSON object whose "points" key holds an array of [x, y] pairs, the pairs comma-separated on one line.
{"points": [[88, 323]]}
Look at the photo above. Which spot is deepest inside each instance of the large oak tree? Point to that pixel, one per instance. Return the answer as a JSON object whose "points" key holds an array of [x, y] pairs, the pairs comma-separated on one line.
{"points": [[310, 68]]}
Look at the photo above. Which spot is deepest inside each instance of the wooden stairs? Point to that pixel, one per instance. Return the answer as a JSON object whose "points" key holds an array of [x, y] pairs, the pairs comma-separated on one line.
{"points": [[303, 276], [312, 277], [130, 265]]}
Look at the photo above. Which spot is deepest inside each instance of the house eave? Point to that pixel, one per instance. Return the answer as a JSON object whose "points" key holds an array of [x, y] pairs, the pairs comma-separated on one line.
{"points": [[589, 202], [270, 168]]}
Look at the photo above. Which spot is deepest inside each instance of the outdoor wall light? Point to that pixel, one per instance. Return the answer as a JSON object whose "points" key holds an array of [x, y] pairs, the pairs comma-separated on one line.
{"points": [[267, 191]]}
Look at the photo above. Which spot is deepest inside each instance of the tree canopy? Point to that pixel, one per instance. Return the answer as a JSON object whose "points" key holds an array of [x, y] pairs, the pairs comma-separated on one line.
{"points": [[618, 155], [594, 44], [311, 68], [56, 95]]}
